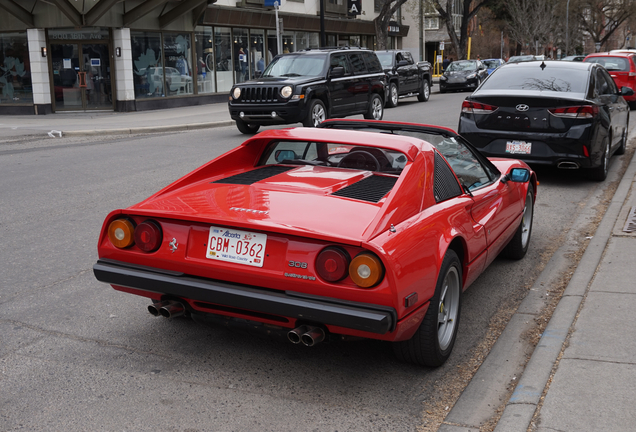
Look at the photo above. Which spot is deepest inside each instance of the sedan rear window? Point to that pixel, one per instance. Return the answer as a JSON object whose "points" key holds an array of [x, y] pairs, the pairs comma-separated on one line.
{"points": [[611, 63], [536, 78]]}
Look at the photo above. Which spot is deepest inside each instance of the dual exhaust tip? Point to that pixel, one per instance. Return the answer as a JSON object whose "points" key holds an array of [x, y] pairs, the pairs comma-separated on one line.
{"points": [[167, 309], [307, 335]]}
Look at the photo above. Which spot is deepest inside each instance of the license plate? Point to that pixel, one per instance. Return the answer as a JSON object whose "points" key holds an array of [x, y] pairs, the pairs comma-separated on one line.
{"points": [[241, 247], [518, 147]]}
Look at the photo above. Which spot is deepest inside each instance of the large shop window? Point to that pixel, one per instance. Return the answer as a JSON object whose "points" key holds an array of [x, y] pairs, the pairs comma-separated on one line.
{"points": [[147, 64], [177, 51], [15, 70], [205, 63], [223, 48]]}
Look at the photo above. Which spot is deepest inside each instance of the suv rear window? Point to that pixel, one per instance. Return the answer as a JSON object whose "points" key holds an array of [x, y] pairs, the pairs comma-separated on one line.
{"points": [[518, 77], [611, 63]]}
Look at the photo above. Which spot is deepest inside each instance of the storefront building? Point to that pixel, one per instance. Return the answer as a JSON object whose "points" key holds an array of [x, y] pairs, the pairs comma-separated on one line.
{"points": [[63, 55]]}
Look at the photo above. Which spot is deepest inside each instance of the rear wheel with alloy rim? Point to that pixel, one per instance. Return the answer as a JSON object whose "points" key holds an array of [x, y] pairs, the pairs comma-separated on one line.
{"points": [[432, 343], [317, 114], [600, 173], [425, 91], [376, 108], [393, 96]]}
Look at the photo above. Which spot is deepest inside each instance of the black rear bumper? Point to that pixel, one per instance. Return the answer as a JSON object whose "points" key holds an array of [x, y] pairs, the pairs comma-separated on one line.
{"points": [[325, 310]]}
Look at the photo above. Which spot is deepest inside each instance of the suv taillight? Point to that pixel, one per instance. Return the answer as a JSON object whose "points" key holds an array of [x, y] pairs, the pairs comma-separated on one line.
{"points": [[580, 111], [469, 107]]}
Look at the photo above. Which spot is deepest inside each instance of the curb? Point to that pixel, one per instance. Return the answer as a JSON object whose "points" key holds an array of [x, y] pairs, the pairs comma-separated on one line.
{"points": [[147, 129], [523, 403]]}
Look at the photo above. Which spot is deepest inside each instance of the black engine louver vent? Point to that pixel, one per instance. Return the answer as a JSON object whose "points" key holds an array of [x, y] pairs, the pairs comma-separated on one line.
{"points": [[250, 177], [370, 189], [445, 185]]}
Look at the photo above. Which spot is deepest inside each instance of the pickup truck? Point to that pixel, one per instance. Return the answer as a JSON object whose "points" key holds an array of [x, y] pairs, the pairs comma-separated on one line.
{"points": [[405, 77]]}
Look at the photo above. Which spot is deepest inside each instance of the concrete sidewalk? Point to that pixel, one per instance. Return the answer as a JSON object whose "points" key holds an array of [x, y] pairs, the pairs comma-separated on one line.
{"points": [[110, 122], [586, 356]]}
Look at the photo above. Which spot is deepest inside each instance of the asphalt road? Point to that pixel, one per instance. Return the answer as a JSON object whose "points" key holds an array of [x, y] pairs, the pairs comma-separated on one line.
{"points": [[76, 355]]}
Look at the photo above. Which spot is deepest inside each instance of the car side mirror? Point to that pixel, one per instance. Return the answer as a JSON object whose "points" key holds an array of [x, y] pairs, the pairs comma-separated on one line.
{"points": [[337, 72], [519, 175], [402, 63], [626, 91], [283, 155]]}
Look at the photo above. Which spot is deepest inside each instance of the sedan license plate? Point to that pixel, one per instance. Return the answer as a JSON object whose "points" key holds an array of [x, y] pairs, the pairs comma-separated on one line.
{"points": [[518, 147], [241, 247]]}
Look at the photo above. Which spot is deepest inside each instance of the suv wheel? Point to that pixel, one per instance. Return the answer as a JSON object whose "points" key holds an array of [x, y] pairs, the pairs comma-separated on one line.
{"points": [[376, 110], [425, 91], [317, 114], [393, 96], [247, 128]]}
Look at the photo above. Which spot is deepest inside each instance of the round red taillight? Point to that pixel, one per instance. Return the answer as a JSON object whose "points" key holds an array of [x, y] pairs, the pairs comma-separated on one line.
{"points": [[332, 264], [148, 236]]}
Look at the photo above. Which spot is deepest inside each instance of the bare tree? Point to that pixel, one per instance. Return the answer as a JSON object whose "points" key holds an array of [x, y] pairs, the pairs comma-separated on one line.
{"points": [[389, 7], [601, 18], [448, 12], [532, 21]]}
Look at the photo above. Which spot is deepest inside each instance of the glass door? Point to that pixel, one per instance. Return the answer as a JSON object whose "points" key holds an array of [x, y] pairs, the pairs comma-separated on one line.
{"points": [[81, 76]]}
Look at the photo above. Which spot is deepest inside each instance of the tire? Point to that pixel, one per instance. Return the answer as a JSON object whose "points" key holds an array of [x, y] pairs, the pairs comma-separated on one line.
{"points": [[425, 91], [376, 108], [600, 173], [621, 148], [518, 245], [316, 115], [432, 343], [394, 96], [247, 128], [442, 90]]}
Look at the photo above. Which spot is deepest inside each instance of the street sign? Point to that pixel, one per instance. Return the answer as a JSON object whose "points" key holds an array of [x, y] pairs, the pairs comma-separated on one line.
{"points": [[441, 46]]}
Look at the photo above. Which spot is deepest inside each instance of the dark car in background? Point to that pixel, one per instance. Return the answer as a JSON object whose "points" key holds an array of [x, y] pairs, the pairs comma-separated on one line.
{"points": [[310, 86], [566, 114], [621, 66], [522, 58], [462, 75], [405, 77], [576, 58]]}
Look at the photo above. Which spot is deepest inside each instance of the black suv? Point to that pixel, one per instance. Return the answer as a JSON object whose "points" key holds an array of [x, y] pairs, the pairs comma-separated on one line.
{"points": [[310, 86]]}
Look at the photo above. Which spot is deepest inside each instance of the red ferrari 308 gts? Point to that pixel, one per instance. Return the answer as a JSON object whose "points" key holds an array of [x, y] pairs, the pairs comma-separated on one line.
{"points": [[327, 233]]}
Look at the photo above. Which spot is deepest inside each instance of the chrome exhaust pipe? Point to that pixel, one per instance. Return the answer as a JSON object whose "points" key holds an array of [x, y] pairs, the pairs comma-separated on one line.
{"points": [[154, 308], [172, 310], [313, 336], [294, 335], [568, 165]]}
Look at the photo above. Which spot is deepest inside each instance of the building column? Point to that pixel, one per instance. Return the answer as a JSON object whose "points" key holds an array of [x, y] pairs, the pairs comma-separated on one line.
{"points": [[124, 82], [39, 71]]}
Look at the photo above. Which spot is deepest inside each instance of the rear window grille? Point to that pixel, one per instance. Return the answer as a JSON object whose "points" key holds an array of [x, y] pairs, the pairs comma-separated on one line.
{"points": [[371, 189], [260, 94], [250, 177], [445, 185]]}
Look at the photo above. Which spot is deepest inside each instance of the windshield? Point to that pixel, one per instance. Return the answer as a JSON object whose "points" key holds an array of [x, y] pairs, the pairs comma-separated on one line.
{"points": [[534, 77], [462, 66], [386, 58], [350, 156], [296, 65], [491, 64], [611, 63]]}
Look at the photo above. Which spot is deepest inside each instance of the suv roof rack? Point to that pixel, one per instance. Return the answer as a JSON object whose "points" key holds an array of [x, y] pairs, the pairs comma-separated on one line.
{"points": [[333, 48]]}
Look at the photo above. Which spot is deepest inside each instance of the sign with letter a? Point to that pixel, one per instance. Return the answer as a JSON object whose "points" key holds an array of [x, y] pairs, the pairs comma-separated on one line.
{"points": [[354, 7]]}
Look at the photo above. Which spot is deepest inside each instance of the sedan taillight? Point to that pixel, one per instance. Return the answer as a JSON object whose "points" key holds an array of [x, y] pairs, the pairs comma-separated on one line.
{"points": [[580, 111], [477, 108]]}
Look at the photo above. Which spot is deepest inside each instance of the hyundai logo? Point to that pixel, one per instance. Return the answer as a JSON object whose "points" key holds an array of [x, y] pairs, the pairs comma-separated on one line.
{"points": [[522, 107]]}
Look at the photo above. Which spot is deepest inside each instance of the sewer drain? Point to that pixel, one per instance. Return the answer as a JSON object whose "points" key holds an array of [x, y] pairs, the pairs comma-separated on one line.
{"points": [[630, 225]]}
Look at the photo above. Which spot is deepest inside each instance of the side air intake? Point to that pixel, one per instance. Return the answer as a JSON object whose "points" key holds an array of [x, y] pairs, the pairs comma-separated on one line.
{"points": [[445, 185]]}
